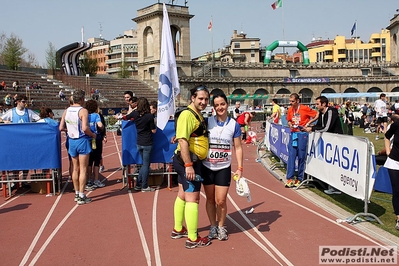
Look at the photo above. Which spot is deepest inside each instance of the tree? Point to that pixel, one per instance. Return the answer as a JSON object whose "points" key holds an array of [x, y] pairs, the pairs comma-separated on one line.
{"points": [[13, 52], [51, 57], [88, 65], [124, 72]]}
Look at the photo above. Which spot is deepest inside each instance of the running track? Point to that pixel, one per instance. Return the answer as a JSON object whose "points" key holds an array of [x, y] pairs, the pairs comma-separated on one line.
{"points": [[133, 228]]}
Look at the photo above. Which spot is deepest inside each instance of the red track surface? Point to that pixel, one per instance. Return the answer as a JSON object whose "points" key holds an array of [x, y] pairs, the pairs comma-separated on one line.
{"points": [[133, 228]]}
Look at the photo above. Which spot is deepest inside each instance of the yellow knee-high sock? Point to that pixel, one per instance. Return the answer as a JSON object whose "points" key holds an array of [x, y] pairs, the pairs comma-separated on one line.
{"points": [[192, 219], [179, 213]]}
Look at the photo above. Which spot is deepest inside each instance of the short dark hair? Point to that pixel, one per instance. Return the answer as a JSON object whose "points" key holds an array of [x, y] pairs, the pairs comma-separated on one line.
{"points": [[129, 92], [323, 99], [220, 95], [382, 95], [275, 101], [91, 106]]}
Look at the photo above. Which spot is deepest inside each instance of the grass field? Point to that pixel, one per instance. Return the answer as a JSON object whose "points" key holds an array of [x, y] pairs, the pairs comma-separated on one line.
{"points": [[380, 203]]}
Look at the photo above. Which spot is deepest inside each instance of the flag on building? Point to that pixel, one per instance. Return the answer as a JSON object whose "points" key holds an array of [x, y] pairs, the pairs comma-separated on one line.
{"points": [[277, 4], [210, 25], [353, 28], [169, 86]]}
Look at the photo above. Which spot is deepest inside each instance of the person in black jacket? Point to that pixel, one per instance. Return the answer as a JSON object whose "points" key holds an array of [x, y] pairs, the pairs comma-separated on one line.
{"points": [[328, 118], [327, 121]]}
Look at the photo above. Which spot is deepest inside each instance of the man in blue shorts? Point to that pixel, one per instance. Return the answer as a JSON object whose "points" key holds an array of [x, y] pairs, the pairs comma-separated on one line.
{"points": [[75, 120]]}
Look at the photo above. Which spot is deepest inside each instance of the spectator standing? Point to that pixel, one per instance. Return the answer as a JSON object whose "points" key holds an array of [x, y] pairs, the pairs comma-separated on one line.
{"points": [[192, 148], [20, 114], [103, 133], [46, 116], [145, 129], [392, 164], [153, 110], [298, 116], [381, 113], [75, 120], [349, 118], [237, 111], [96, 126], [276, 112], [127, 95], [224, 135], [327, 121]]}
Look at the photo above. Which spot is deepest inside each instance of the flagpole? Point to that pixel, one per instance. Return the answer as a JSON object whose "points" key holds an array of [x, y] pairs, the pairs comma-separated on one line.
{"points": [[282, 18], [357, 48], [212, 47]]}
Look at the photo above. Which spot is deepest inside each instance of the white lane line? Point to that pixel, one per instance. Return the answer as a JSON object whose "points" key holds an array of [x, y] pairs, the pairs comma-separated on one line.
{"points": [[259, 233], [155, 231], [136, 216], [318, 214], [42, 227], [256, 241], [44, 246], [141, 231], [55, 231]]}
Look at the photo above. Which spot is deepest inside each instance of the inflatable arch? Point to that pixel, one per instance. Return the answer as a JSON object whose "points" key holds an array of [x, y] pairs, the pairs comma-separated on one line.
{"points": [[275, 44]]}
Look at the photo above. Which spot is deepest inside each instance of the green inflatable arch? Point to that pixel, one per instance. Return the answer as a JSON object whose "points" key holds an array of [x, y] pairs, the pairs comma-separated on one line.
{"points": [[275, 44]]}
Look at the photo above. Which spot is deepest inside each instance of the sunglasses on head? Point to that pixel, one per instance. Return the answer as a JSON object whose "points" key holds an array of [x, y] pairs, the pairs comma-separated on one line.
{"points": [[23, 101], [202, 88]]}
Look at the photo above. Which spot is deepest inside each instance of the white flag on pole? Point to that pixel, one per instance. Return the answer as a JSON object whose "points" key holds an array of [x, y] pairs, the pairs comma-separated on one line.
{"points": [[169, 86]]}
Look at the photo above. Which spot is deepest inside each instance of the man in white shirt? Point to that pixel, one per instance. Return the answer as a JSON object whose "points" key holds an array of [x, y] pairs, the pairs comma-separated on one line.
{"points": [[20, 114], [381, 113]]}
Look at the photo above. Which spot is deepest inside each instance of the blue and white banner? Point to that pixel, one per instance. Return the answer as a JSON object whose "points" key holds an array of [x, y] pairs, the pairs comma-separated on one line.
{"points": [[169, 86], [341, 161]]}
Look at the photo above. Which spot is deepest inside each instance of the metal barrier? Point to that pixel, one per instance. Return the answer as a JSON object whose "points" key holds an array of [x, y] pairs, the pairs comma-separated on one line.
{"points": [[31, 146], [348, 162], [161, 156]]}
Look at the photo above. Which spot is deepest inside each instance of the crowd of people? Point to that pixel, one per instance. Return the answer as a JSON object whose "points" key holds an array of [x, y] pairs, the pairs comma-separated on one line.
{"points": [[205, 146]]}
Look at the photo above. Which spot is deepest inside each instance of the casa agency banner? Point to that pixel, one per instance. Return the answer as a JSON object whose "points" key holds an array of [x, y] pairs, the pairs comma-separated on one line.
{"points": [[342, 162]]}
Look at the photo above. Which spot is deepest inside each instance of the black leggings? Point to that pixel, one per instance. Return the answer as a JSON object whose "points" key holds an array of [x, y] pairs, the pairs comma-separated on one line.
{"points": [[394, 176]]}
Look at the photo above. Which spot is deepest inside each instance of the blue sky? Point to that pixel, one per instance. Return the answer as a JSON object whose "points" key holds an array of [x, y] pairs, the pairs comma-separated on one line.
{"points": [[37, 22]]}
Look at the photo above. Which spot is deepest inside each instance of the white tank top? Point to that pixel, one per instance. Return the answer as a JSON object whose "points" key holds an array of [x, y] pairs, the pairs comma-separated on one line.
{"points": [[73, 122], [220, 143]]}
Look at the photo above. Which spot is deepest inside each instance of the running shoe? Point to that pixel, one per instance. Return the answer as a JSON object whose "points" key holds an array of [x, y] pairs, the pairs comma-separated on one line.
{"points": [[199, 242], [222, 233], [397, 225], [377, 137], [289, 183], [101, 169], [147, 189], [83, 200], [296, 183], [213, 232], [331, 191], [137, 188], [76, 197], [98, 183], [89, 188], [179, 234]]}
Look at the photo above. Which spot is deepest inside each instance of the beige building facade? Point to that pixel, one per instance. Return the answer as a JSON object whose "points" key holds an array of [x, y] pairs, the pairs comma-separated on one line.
{"points": [[149, 30], [353, 50]]}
